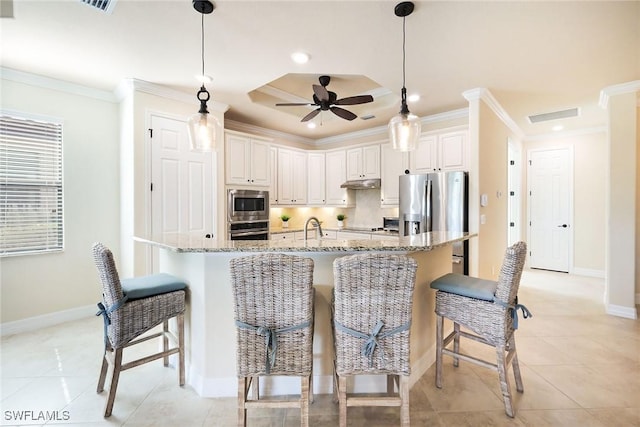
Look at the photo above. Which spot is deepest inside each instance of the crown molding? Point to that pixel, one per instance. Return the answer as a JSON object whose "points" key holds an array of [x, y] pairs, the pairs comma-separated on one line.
{"points": [[55, 84], [486, 96], [382, 130], [128, 86], [619, 89], [244, 127]]}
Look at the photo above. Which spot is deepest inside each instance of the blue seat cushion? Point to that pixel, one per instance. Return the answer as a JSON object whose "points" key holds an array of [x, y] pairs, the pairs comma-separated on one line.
{"points": [[155, 284], [471, 287]]}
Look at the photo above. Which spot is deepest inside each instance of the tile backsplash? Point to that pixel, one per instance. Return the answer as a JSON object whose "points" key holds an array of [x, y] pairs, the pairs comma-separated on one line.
{"points": [[366, 213]]}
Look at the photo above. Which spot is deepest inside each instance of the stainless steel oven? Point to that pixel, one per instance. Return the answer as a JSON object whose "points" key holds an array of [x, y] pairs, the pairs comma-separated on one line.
{"points": [[247, 215], [251, 230], [247, 205]]}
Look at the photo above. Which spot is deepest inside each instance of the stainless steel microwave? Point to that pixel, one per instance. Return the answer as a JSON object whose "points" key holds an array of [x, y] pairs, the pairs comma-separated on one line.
{"points": [[247, 205]]}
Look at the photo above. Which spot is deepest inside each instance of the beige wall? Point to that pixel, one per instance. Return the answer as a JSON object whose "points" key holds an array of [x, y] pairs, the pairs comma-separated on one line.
{"points": [[493, 136], [621, 204], [637, 205], [589, 184], [33, 285]]}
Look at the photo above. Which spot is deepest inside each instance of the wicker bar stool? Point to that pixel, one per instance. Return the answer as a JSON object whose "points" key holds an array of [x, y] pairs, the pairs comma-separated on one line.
{"points": [[371, 312], [273, 296], [488, 309], [131, 307]]}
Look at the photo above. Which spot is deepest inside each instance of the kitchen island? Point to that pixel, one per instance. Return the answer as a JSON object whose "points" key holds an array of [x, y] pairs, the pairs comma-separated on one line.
{"points": [[210, 328]]}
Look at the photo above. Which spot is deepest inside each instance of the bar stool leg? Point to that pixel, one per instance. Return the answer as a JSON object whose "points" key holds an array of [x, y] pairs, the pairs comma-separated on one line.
{"points": [[439, 345]]}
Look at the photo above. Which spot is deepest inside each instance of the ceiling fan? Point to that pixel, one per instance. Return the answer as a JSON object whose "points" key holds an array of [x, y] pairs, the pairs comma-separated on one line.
{"points": [[327, 100]]}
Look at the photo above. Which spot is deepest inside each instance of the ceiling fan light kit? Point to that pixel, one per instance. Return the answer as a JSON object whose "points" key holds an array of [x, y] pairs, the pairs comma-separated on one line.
{"points": [[404, 128], [328, 101], [203, 127]]}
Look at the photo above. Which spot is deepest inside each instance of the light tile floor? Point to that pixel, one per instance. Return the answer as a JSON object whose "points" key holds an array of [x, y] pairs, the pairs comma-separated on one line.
{"points": [[580, 367]]}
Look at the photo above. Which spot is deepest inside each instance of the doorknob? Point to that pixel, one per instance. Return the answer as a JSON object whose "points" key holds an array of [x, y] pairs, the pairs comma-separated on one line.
{"points": [[563, 226]]}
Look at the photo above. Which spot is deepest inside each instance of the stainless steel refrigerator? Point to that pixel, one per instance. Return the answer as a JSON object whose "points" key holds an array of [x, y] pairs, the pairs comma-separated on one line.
{"points": [[437, 202]]}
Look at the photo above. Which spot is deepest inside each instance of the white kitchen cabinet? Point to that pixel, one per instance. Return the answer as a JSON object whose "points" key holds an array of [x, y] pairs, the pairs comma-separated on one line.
{"points": [[336, 175], [329, 235], [363, 162], [393, 164], [316, 178], [292, 177], [441, 152], [452, 151], [385, 237], [247, 160], [283, 236], [350, 235], [273, 183]]}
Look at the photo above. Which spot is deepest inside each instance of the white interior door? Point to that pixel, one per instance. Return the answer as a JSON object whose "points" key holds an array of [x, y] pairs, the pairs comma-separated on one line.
{"points": [[181, 181], [550, 195]]}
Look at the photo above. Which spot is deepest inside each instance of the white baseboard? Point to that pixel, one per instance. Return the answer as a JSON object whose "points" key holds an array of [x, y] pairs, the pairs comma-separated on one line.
{"points": [[622, 311], [45, 320], [589, 272]]}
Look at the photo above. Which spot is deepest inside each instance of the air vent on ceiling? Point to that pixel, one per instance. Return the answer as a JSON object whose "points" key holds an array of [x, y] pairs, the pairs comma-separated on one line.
{"points": [[102, 5], [554, 115]]}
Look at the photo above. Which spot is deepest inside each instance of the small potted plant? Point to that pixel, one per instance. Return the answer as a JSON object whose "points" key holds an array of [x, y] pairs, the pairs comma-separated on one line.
{"points": [[340, 218], [285, 220]]}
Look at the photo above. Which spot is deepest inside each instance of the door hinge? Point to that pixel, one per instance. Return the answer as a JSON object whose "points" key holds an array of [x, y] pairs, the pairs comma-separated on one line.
{"points": [[512, 193], [530, 162], [529, 223], [150, 133], [512, 224], [151, 187], [512, 162]]}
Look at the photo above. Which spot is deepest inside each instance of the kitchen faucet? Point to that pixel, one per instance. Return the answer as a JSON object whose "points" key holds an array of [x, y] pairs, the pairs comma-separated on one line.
{"points": [[306, 224]]}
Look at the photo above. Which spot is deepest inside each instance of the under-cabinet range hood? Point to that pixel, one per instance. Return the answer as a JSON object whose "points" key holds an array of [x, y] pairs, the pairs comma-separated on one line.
{"points": [[362, 184]]}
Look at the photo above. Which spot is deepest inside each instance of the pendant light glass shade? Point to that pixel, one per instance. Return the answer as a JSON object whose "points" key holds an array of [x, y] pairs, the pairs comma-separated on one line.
{"points": [[404, 131], [203, 127], [405, 128]]}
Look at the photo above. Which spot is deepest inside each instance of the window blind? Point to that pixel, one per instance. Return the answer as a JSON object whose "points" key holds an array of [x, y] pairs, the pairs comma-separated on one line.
{"points": [[31, 219]]}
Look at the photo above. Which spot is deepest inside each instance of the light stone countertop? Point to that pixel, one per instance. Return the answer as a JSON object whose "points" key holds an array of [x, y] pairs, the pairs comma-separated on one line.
{"points": [[197, 243]]}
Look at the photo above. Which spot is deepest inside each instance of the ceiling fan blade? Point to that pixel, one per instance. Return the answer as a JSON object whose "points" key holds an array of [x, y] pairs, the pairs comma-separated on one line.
{"points": [[311, 115], [292, 104], [353, 100], [321, 92], [341, 112]]}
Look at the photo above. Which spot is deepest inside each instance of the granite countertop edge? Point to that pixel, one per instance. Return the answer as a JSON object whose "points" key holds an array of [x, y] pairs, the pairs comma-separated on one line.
{"points": [[193, 244]]}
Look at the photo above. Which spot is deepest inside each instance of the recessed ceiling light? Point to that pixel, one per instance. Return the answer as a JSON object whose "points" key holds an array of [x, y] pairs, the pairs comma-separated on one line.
{"points": [[311, 125], [300, 57], [413, 97], [556, 128]]}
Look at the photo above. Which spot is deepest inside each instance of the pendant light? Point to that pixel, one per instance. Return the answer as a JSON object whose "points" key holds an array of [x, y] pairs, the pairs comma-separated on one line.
{"points": [[203, 127], [404, 129]]}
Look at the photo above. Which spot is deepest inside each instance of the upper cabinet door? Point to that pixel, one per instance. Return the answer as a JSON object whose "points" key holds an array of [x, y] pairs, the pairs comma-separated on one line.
{"points": [[336, 167], [425, 157], [237, 159], [453, 151], [247, 160], [260, 163], [371, 161], [363, 162], [316, 176], [441, 152], [394, 163], [354, 164]]}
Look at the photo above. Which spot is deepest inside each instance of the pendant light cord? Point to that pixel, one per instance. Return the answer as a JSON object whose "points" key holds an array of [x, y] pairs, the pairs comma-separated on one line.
{"points": [[202, 44], [403, 50]]}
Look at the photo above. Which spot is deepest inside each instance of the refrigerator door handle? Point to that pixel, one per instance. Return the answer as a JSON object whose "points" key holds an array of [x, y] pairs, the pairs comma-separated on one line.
{"points": [[428, 225]]}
